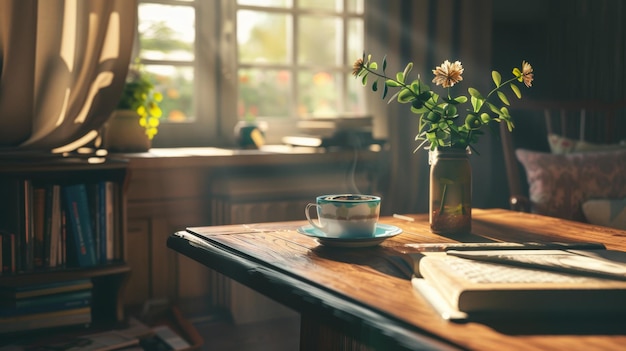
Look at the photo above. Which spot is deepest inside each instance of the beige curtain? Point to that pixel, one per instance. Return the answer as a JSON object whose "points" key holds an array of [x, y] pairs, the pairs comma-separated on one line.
{"points": [[63, 65], [427, 32]]}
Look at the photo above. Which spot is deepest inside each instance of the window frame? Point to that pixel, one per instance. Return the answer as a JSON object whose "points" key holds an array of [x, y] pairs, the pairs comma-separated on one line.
{"points": [[215, 67]]}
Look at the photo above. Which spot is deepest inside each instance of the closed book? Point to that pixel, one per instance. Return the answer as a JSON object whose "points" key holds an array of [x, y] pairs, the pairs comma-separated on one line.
{"points": [[28, 322], [24, 291], [79, 224], [45, 303], [468, 288]]}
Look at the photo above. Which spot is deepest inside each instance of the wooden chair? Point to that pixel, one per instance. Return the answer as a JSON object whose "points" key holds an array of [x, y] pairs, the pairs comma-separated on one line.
{"points": [[589, 121]]}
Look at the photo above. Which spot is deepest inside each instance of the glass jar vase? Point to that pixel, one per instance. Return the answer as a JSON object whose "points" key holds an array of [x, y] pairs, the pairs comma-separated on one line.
{"points": [[450, 191]]}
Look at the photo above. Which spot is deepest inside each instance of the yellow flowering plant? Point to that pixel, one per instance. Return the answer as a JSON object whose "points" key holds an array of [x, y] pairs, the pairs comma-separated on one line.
{"points": [[439, 122], [139, 95]]}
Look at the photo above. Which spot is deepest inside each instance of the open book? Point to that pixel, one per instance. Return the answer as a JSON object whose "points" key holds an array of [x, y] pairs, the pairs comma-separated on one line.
{"points": [[485, 284]]}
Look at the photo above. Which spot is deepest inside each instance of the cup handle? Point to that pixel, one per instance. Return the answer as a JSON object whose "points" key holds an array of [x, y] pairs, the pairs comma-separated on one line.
{"points": [[307, 212]]}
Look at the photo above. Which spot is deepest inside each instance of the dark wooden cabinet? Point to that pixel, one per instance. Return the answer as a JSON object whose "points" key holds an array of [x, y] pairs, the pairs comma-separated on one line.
{"points": [[21, 216]]}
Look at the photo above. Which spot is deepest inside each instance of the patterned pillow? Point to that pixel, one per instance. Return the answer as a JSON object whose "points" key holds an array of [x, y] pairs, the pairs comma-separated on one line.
{"points": [[606, 212], [559, 184], [563, 145]]}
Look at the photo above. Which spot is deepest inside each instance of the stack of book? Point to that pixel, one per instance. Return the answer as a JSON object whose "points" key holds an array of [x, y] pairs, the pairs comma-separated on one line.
{"points": [[53, 225], [31, 307], [336, 131]]}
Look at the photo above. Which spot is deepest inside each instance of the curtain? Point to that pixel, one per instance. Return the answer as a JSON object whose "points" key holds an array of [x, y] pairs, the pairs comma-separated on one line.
{"points": [[427, 32], [586, 50], [63, 64]]}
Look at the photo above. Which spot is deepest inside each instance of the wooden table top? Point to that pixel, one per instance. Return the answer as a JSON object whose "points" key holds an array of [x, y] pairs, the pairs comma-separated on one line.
{"points": [[364, 286]]}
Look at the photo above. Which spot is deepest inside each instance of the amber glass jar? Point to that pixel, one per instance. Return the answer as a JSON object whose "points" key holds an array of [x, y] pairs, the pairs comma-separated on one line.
{"points": [[450, 191]]}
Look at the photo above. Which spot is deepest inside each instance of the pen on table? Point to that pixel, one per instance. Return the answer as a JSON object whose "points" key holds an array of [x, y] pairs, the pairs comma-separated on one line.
{"points": [[406, 218]]}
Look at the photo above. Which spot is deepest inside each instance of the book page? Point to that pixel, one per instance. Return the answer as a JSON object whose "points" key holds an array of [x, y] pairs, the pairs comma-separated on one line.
{"points": [[599, 263]]}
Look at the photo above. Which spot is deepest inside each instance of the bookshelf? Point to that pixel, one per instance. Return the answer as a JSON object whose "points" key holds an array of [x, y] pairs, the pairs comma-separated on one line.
{"points": [[26, 216]]}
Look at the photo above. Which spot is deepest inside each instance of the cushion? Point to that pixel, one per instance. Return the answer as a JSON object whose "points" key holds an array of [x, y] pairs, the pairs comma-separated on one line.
{"points": [[559, 184], [606, 212], [563, 145]]}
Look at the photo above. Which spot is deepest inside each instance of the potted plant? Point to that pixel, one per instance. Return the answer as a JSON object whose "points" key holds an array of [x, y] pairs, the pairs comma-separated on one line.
{"points": [[135, 121], [449, 126]]}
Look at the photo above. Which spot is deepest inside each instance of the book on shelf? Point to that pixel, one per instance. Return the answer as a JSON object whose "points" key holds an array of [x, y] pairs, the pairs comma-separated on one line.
{"points": [[79, 225], [16, 217], [15, 290], [34, 321], [45, 303], [53, 226], [464, 284], [106, 205], [39, 222]]}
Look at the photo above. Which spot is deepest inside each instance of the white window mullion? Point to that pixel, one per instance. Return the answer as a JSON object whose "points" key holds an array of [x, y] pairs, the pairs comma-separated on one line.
{"points": [[295, 69]]}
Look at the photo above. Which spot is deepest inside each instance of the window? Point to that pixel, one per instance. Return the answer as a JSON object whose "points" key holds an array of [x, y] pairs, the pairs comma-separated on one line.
{"points": [[271, 60]]}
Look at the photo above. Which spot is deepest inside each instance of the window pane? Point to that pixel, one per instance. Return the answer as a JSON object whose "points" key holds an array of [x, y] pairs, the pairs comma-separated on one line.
{"points": [[262, 37], [166, 32], [176, 85], [355, 39], [333, 5], [264, 92], [319, 94], [318, 40], [269, 3], [355, 101], [355, 6]]}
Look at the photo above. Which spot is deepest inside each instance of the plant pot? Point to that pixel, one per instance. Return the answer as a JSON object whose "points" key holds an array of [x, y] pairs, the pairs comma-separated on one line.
{"points": [[122, 133], [250, 134], [450, 191]]}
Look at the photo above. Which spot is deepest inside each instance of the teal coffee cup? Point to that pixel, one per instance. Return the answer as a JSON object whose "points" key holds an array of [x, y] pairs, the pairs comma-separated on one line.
{"points": [[345, 215]]}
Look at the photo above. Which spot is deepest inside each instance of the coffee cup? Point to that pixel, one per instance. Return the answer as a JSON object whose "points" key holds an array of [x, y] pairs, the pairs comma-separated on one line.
{"points": [[345, 215]]}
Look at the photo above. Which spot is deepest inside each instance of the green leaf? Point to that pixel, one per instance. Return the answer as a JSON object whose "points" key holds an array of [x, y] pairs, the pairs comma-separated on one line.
{"points": [[375, 85], [450, 111], [425, 96], [400, 77], [475, 93], [407, 69], [505, 113], [373, 66], [485, 117], [432, 117], [516, 91], [384, 63], [503, 98], [497, 78], [392, 83], [364, 79], [460, 99], [416, 105], [406, 95], [385, 90], [510, 125], [494, 109], [477, 103]]}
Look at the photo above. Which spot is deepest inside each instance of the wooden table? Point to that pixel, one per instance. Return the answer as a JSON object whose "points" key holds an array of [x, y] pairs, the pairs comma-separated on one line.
{"points": [[362, 298]]}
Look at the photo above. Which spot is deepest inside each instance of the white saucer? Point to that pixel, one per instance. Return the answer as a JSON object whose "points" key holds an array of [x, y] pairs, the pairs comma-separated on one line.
{"points": [[383, 232]]}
